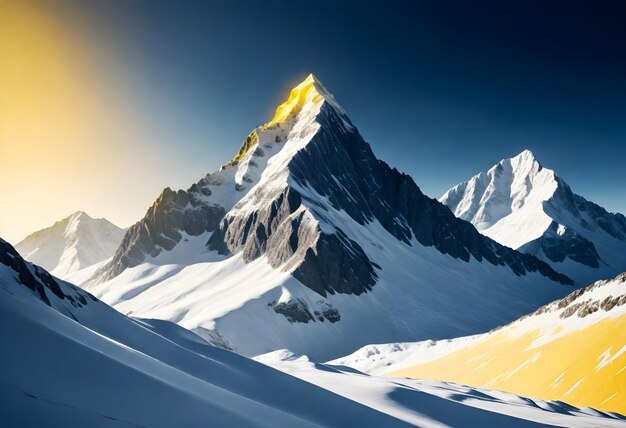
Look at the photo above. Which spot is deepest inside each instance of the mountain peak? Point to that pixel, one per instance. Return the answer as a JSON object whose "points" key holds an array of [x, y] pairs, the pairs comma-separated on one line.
{"points": [[80, 215], [526, 159], [309, 92], [525, 154], [525, 206], [70, 244]]}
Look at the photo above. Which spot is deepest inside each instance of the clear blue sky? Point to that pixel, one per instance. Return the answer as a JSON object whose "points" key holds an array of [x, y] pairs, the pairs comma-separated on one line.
{"points": [[441, 90]]}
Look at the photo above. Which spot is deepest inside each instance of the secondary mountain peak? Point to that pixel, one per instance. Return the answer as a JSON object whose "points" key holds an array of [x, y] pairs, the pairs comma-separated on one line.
{"points": [[525, 206], [71, 244]]}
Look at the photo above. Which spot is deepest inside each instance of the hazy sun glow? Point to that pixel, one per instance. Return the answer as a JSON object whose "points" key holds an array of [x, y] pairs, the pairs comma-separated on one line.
{"points": [[58, 129]]}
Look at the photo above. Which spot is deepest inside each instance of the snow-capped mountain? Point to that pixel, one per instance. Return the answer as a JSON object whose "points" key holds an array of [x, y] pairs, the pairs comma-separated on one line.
{"points": [[71, 244], [573, 349], [525, 206], [305, 240], [69, 360]]}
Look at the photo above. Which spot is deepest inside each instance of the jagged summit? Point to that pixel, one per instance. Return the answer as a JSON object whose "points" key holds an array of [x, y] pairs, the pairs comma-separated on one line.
{"points": [[526, 154], [523, 205], [309, 93], [508, 186]]}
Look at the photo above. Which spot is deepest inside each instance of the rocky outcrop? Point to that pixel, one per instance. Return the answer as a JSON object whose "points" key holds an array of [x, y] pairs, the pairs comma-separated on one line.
{"points": [[38, 280], [161, 228], [560, 242]]}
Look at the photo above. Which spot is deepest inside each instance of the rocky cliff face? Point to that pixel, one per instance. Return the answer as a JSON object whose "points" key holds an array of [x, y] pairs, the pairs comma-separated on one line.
{"points": [[171, 215]]}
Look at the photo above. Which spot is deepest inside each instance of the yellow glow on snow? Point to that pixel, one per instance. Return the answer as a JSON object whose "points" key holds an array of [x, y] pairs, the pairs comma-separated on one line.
{"points": [[568, 368], [298, 97]]}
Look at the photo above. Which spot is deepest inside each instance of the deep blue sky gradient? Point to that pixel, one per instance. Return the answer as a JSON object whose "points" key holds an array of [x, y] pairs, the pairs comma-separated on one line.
{"points": [[441, 90]]}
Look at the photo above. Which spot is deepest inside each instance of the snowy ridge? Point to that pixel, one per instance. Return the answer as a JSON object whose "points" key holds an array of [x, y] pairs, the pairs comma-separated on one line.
{"points": [[72, 244], [525, 206]]}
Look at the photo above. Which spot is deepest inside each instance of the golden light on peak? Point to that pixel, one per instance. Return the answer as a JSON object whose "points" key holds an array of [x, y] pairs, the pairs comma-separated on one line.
{"points": [[305, 92]]}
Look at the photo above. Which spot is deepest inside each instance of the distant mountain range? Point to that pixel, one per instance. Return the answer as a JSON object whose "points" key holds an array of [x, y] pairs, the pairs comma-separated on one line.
{"points": [[306, 233], [72, 244], [525, 206]]}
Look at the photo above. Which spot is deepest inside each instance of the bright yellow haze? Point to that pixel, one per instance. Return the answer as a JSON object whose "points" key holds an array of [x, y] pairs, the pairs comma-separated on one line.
{"points": [[583, 367], [63, 140]]}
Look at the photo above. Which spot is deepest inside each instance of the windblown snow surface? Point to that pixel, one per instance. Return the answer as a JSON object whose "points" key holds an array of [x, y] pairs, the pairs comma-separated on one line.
{"points": [[254, 305], [72, 244]]}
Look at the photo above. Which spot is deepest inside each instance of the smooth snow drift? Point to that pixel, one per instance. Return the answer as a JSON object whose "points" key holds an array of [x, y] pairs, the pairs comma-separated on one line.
{"points": [[525, 206], [72, 244]]}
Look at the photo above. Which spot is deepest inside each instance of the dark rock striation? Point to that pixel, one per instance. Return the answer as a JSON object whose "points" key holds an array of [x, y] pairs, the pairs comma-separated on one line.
{"points": [[162, 226], [38, 280]]}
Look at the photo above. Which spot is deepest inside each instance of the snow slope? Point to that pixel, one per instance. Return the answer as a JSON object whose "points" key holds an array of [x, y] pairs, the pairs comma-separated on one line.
{"points": [[525, 206], [438, 404], [306, 241], [69, 360], [573, 349], [72, 244]]}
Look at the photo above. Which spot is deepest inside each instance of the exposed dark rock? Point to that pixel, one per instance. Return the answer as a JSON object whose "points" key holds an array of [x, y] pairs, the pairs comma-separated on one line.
{"points": [[161, 227], [298, 311], [331, 314], [37, 279], [294, 311], [612, 223], [564, 302], [569, 244], [610, 302]]}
